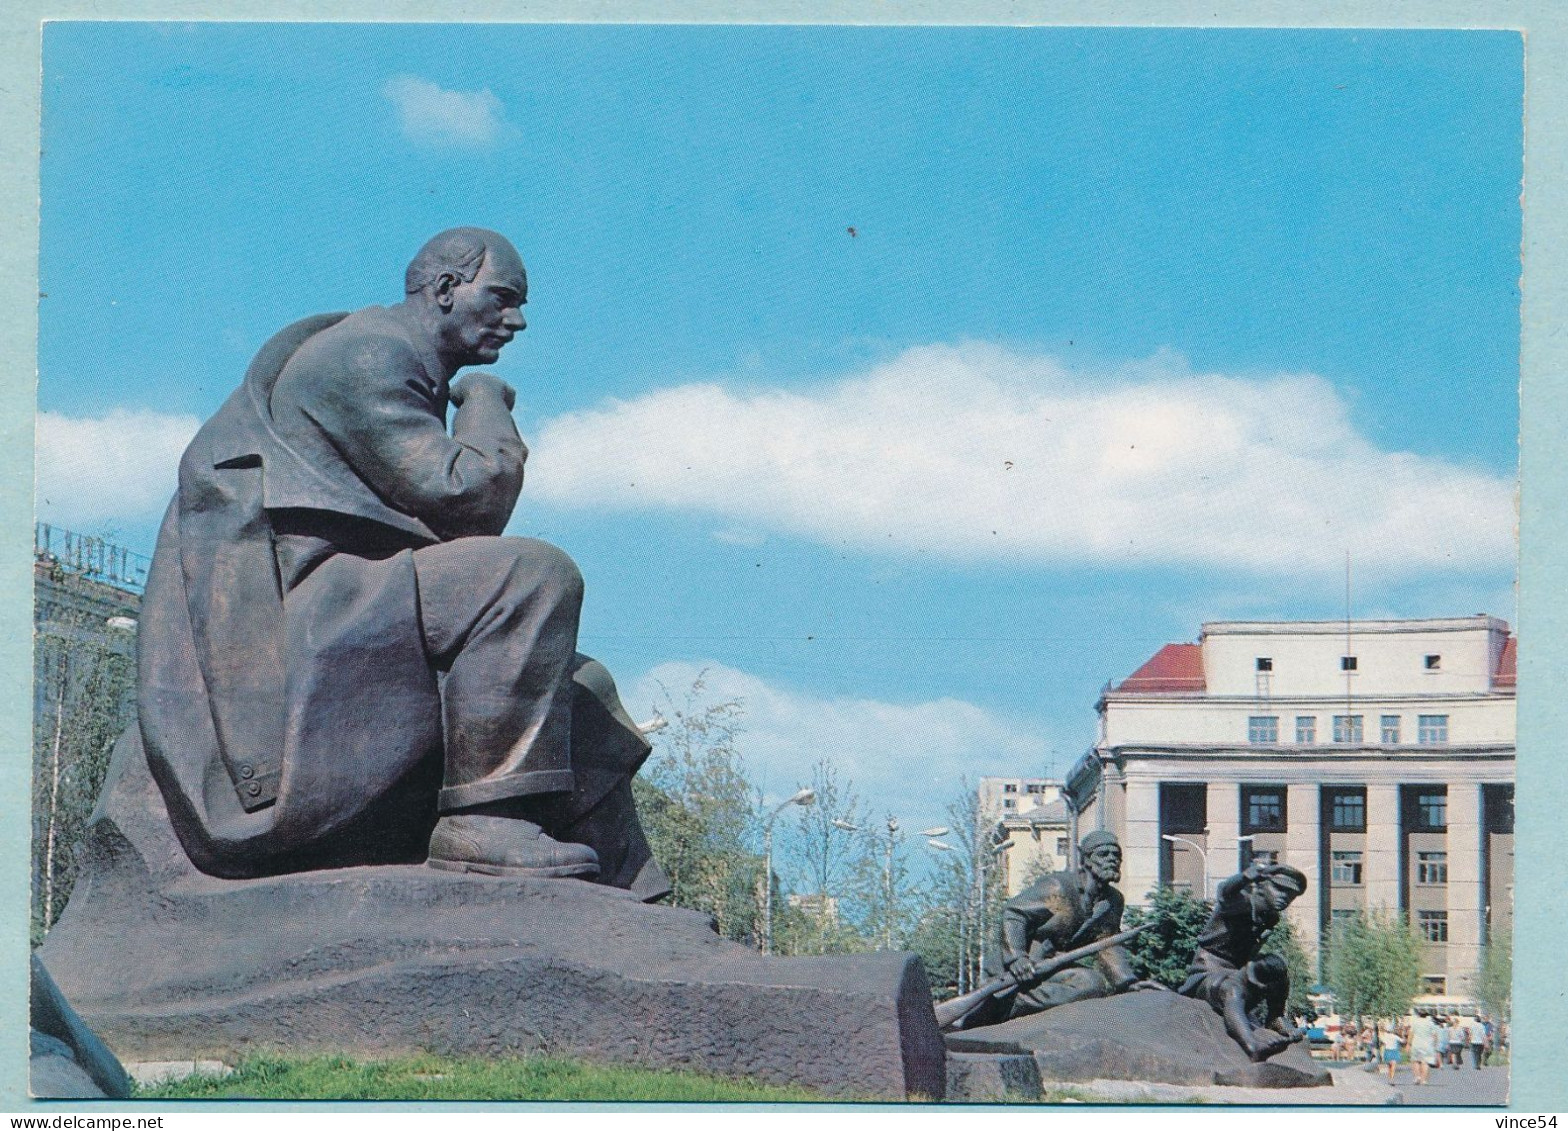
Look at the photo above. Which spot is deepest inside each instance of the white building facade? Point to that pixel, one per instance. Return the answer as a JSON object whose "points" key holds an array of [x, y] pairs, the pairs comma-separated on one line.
{"points": [[1375, 756]]}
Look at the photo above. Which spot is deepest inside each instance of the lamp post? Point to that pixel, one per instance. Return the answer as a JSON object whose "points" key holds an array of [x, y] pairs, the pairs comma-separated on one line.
{"points": [[887, 873], [1203, 855], [804, 797], [984, 857]]}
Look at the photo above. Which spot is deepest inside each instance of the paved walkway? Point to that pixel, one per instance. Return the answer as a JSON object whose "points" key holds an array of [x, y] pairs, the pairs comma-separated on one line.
{"points": [[1352, 1085], [1454, 1086]]}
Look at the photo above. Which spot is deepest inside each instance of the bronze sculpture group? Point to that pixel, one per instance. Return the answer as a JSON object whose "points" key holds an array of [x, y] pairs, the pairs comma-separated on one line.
{"points": [[1053, 929]]}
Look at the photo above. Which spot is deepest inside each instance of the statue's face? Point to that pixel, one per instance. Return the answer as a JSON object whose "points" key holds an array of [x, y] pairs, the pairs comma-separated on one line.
{"points": [[1278, 898], [1105, 863], [486, 313]]}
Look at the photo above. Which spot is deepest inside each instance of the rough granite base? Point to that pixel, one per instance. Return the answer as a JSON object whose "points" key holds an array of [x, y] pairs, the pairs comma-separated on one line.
{"points": [[167, 963], [1149, 1035]]}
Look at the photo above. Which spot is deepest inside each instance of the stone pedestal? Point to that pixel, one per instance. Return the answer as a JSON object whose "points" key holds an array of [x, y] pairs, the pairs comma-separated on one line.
{"points": [[1151, 1035], [168, 963]]}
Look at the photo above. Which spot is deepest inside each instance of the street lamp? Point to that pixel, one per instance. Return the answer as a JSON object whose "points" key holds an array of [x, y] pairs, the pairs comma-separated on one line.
{"points": [[653, 725], [984, 857], [1203, 855], [887, 925], [805, 797]]}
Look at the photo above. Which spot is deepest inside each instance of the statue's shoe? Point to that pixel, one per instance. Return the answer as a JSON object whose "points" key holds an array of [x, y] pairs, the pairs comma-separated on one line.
{"points": [[506, 846]]}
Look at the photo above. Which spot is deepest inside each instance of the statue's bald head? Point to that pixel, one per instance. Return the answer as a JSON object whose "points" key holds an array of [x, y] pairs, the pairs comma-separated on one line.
{"points": [[461, 251]]}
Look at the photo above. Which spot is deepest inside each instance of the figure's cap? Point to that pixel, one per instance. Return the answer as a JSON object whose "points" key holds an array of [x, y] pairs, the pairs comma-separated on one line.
{"points": [[1097, 839], [1286, 878]]}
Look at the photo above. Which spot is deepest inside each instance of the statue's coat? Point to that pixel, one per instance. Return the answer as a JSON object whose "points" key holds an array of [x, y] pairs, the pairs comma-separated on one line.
{"points": [[273, 724]]}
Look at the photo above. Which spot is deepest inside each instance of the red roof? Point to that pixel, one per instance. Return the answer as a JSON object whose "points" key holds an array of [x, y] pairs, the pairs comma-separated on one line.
{"points": [[1507, 664], [1175, 667]]}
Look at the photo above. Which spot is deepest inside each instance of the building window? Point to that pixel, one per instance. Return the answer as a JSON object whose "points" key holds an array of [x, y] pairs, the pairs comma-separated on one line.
{"points": [[1348, 811], [1347, 663], [1031, 788], [1433, 924], [1434, 984], [1009, 803], [1345, 869], [1061, 846], [1263, 810], [1432, 730], [1263, 730], [1389, 725], [1010, 787], [1306, 730], [1265, 663], [1431, 867], [1347, 729], [1434, 662], [1432, 811]]}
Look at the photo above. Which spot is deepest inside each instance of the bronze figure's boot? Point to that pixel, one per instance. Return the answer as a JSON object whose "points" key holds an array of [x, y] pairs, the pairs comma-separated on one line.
{"points": [[506, 846]]}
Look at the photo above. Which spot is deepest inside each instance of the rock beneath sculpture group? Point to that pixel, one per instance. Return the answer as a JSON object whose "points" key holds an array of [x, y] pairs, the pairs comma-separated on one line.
{"points": [[168, 963], [1151, 1035], [992, 1078]]}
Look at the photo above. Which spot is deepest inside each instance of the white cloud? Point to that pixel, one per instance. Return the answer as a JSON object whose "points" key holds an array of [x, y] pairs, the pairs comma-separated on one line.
{"points": [[905, 759], [119, 467], [432, 115], [976, 453]]}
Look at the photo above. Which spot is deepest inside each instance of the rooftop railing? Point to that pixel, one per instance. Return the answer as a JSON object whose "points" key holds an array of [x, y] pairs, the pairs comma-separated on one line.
{"points": [[96, 559]]}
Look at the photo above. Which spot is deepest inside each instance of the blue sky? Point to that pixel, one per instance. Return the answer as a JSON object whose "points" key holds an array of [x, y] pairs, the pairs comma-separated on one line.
{"points": [[913, 382]]}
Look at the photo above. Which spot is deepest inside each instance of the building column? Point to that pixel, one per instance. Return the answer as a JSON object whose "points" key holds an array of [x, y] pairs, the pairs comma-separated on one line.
{"points": [[1303, 808], [1224, 820], [1465, 912], [1140, 839], [1382, 851]]}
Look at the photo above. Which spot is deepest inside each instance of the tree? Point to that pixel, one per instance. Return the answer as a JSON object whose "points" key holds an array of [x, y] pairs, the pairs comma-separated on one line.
{"points": [[1494, 980], [84, 697], [881, 885], [936, 937], [1163, 952], [962, 905], [696, 805], [829, 841], [1374, 964]]}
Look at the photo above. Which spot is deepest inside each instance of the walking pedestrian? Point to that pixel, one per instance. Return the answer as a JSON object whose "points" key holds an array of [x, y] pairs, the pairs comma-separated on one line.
{"points": [[1423, 1047], [1458, 1038], [1390, 1041]]}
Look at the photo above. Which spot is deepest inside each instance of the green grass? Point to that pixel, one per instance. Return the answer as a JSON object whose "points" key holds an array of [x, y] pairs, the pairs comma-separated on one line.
{"points": [[442, 1078]]}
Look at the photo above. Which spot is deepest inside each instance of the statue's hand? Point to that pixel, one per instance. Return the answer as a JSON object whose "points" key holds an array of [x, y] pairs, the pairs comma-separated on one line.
{"points": [[483, 383], [1021, 968]]}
